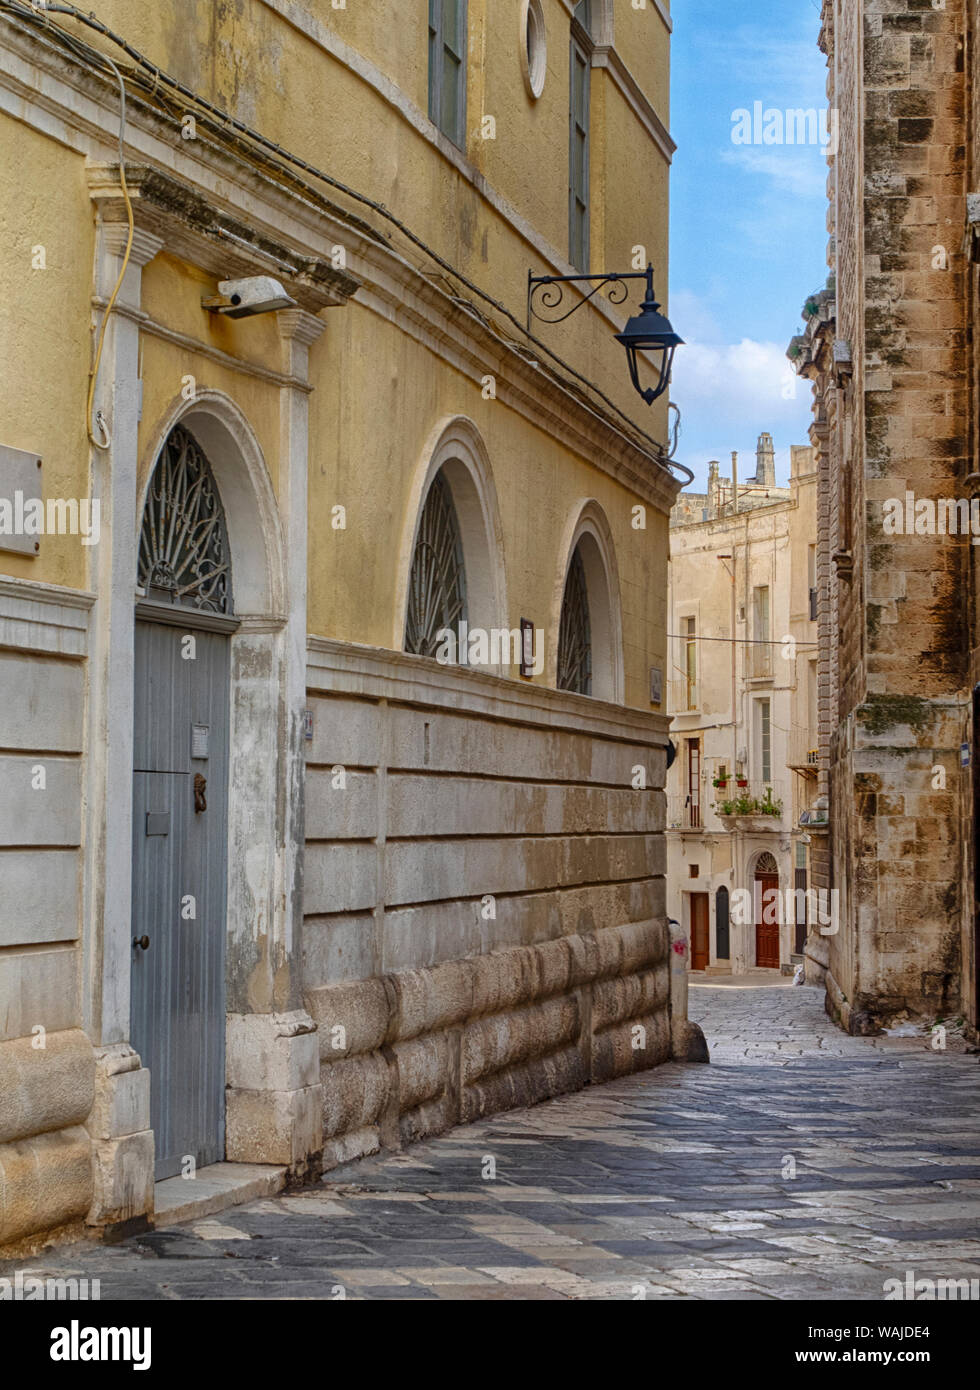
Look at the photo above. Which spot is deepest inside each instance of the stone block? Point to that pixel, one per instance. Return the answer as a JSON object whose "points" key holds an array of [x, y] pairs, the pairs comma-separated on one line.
{"points": [[122, 1176], [354, 1093], [424, 1068], [42, 703], [45, 1182], [45, 1088], [351, 1018], [284, 1127], [39, 902], [504, 1040], [635, 1045], [27, 818], [122, 1094], [271, 1052], [38, 987]]}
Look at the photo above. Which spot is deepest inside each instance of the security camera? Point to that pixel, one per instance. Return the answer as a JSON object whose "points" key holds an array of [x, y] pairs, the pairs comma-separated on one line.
{"points": [[240, 299]]}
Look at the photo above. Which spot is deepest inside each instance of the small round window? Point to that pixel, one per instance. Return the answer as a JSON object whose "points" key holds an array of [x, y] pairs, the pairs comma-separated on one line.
{"points": [[534, 51]]}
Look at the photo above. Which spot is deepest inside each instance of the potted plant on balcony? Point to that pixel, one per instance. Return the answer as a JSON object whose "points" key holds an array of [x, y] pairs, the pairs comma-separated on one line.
{"points": [[721, 781], [768, 806], [741, 781]]}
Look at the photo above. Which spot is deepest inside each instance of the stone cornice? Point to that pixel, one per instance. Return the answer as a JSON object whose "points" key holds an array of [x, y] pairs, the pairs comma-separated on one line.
{"points": [[605, 56], [189, 225], [45, 618], [349, 668]]}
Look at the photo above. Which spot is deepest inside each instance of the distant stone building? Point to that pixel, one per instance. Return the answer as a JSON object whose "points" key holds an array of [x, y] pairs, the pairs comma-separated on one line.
{"points": [[742, 694], [888, 347]]}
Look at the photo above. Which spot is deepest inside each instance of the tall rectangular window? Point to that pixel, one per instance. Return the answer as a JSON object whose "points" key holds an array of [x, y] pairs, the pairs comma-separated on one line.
{"points": [[690, 663], [811, 568], [761, 633], [447, 68], [578, 151], [694, 783], [765, 740]]}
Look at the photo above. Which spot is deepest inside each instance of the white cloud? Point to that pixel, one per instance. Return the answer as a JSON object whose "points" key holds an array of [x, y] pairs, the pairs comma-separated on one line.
{"points": [[728, 393], [799, 170]]}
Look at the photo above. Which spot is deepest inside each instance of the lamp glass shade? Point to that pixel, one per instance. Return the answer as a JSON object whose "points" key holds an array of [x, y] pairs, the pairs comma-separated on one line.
{"points": [[651, 332]]}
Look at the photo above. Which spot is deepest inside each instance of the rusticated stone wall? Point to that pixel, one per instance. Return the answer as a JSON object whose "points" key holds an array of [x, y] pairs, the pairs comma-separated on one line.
{"points": [[484, 895]]}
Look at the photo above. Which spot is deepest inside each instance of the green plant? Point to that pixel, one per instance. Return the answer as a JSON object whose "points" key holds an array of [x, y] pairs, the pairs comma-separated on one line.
{"points": [[743, 805], [746, 805]]}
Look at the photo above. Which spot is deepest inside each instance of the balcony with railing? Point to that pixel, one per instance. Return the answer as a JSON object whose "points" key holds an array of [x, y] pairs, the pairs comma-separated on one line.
{"points": [[802, 753], [755, 806], [684, 813]]}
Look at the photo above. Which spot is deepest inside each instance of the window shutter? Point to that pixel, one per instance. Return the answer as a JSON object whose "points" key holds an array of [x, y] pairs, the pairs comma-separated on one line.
{"points": [[578, 155], [447, 68]]}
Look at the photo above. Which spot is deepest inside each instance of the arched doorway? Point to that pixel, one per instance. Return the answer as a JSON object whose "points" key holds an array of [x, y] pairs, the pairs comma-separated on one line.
{"points": [[184, 618], [766, 900]]}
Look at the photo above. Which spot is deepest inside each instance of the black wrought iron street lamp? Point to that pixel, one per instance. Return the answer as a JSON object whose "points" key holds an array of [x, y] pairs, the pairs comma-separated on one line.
{"points": [[649, 331]]}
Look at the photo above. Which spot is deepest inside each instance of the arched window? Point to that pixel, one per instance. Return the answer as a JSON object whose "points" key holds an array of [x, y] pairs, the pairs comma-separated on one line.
{"points": [[437, 585], [722, 930], [766, 865], [586, 648], [575, 633], [183, 548]]}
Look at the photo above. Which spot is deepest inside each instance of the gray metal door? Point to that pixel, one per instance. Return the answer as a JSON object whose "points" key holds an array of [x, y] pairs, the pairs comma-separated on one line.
{"points": [[180, 819]]}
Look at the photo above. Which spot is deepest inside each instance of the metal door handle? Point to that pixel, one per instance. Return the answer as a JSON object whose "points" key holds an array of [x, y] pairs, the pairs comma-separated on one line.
{"points": [[143, 942]]}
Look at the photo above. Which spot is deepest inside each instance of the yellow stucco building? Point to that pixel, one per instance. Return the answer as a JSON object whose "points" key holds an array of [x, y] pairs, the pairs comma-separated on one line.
{"points": [[282, 884]]}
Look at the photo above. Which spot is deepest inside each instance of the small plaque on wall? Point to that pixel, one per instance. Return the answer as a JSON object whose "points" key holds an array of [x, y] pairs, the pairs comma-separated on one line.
{"points": [[21, 507], [656, 685]]}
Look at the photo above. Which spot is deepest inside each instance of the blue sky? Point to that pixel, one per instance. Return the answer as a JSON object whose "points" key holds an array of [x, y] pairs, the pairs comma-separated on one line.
{"points": [[748, 225]]}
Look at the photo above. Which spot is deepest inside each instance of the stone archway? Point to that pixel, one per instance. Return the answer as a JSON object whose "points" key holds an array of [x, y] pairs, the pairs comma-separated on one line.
{"points": [[263, 751]]}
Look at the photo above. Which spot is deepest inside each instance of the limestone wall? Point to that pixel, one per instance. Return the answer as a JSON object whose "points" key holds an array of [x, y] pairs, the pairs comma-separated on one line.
{"points": [[484, 894]]}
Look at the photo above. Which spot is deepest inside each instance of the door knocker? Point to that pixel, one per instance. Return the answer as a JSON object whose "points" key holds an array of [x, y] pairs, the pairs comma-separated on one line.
{"points": [[200, 787]]}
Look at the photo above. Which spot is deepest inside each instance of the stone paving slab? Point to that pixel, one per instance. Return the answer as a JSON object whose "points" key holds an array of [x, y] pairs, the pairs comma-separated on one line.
{"points": [[813, 1171]]}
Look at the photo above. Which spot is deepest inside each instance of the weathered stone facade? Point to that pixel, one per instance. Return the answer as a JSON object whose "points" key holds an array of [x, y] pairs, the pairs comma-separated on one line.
{"points": [[887, 346], [433, 889]]}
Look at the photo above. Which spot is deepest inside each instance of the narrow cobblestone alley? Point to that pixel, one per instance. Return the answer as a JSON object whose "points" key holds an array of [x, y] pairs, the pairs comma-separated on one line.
{"points": [[801, 1164]]}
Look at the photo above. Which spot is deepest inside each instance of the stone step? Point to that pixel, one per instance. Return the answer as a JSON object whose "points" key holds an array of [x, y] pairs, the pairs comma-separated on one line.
{"points": [[213, 1189]]}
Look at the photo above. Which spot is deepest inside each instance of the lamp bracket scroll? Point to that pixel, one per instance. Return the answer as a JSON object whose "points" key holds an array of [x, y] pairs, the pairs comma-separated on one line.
{"points": [[546, 298], [649, 338]]}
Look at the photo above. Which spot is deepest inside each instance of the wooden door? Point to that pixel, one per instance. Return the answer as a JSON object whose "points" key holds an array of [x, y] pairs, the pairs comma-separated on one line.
{"points": [[767, 920], [700, 950]]}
